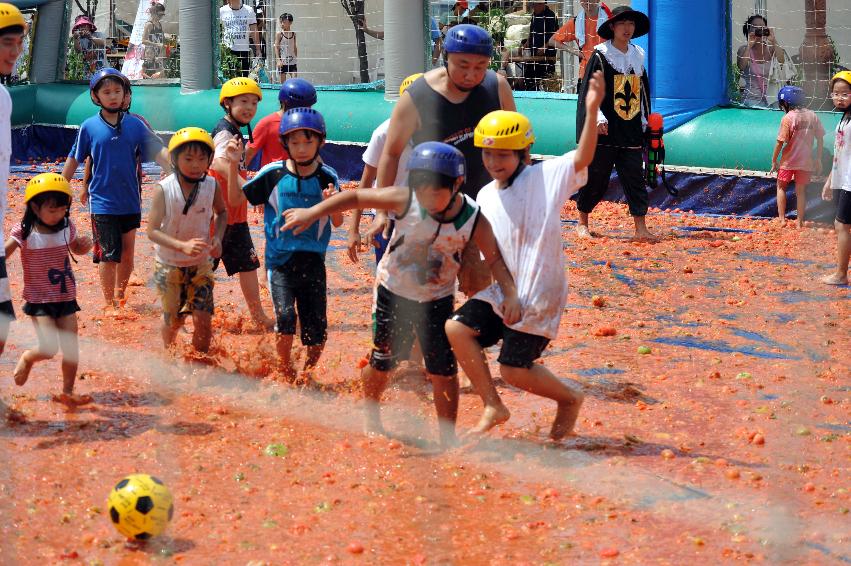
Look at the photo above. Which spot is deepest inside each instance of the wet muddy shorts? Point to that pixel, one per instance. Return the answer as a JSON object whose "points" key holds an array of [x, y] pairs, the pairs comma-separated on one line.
{"points": [[843, 206], [238, 253], [396, 319], [519, 349], [299, 293], [107, 230], [184, 290]]}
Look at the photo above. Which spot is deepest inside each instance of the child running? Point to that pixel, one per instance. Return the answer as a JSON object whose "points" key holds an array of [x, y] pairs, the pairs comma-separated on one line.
{"points": [[797, 130], [114, 140], [295, 263], [839, 180], [184, 205], [239, 98], [45, 236], [294, 93], [524, 205], [415, 284], [12, 29]]}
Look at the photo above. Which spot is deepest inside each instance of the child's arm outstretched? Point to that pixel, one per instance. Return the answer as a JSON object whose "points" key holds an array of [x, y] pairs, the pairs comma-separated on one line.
{"points": [[354, 240], [485, 240], [336, 217], [394, 199], [588, 140], [192, 247]]}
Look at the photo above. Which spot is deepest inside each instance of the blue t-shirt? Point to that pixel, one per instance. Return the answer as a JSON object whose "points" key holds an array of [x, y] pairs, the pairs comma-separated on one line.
{"points": [[279, 190], [114, 188]]}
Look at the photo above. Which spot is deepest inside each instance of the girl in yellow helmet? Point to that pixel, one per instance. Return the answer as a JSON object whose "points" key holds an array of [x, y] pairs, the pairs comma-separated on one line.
{"points": [[45, 236], [838, 184], [12, 28]]}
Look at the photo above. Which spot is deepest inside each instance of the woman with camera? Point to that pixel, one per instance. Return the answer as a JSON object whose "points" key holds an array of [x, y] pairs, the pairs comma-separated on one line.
{"points": [[754, 59]]}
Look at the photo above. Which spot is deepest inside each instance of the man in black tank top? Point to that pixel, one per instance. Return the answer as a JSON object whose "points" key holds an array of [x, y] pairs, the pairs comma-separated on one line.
{"points": [[445, 105]]}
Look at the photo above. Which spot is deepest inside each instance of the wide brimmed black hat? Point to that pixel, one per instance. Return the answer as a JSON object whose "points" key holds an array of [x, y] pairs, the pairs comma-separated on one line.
{"points": [[642, 22]]}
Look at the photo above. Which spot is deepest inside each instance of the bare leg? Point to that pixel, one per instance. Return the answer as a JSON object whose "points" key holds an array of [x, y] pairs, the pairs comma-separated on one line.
{"points": [[69, 343], [641, 231], [540, 381], [47, 347], [582, 229], [313, 355], [445, 390], [125, 268], [203, 333], [284, 346], [168, 331], [472, 359], [107, 270], [374, 384], [251, 291], [4, 331], [801, 198], [781, 199], [843, 251]]}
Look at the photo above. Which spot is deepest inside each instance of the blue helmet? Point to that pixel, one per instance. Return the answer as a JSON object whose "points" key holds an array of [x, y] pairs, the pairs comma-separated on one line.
{"points": [[297, 93], [468, 38], [302, 119], [108, 72], [792, 95], [438, 157]]}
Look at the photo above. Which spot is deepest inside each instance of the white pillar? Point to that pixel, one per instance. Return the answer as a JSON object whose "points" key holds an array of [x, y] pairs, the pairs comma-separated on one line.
{"points": [[404, 43]]}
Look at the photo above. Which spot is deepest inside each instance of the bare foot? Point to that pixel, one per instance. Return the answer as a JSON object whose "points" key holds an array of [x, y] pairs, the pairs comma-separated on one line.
{"points": [[264, 322], [832, 279], [565, 419], [644, 236], [582, 231], [22, 370], [372, 420], [491, 417], [71, 401]]}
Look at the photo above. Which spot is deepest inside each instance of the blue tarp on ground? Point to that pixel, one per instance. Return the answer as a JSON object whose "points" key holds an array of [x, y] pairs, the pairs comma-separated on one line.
{"points": [[701, 193]]}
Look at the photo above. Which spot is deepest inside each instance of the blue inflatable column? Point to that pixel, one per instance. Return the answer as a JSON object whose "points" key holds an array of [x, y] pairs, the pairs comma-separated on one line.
{"points": [[688, 59]]}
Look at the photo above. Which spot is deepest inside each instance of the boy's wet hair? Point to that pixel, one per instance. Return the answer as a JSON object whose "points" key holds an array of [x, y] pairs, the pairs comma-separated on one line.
{"points": [[48, 198], [418, 178], [109, 79], [194, 146]]}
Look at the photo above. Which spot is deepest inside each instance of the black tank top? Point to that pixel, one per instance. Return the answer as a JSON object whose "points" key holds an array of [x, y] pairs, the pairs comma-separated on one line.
{"points": [[451, 123]]}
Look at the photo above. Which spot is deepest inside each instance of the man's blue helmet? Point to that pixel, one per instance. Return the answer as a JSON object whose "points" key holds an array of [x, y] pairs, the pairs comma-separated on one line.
{"points": [[296, 93], [468, 38], [792, 95], [108, 72], [438, 157], [302, 119]]}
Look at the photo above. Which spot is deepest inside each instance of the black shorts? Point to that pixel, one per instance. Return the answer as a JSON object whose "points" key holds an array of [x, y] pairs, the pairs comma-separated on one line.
{"points": [[519, 349], [396, 320], [843, 205], [238, 253], [288, 68], [299, 286], [244, 60], [7, 311], [53, 310], [107, 230]]}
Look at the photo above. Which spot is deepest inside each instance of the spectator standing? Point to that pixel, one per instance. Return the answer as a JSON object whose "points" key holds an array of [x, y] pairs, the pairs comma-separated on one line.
{"points": [[286, 49], [579, 35], [754, 59], [260, 16], [542, 27], [238, 20], [153, 39], [90, 44]]}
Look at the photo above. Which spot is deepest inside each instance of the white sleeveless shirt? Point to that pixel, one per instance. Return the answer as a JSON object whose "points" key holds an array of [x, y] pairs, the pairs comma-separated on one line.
{"points": [[194, 224], [287, 53], [419, 266]]}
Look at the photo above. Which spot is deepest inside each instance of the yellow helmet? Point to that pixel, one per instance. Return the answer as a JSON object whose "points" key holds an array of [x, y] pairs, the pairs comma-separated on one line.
{"points": [[47, 182], [10, 16], [841, 75], [408, 82], [237, 86], [190, 134], [502, 129]]}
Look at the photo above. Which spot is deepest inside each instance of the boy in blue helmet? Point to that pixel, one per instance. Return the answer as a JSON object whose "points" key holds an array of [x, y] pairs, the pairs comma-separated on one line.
{"points": [[294, 93], [295, 263], [113, 139], [415, 288], [798, 128]]}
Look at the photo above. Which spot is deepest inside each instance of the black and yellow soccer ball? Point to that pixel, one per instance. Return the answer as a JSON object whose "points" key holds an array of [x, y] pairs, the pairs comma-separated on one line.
{"points": [[140, 506]]}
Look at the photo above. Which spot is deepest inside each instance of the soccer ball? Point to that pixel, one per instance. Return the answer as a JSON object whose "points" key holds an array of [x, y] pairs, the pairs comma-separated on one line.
{"points": [[140, 506]]}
